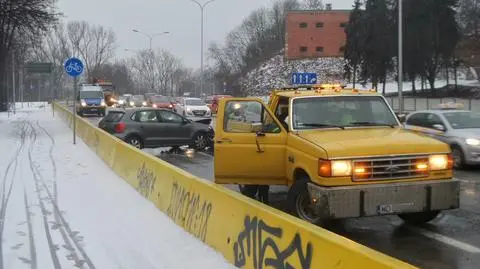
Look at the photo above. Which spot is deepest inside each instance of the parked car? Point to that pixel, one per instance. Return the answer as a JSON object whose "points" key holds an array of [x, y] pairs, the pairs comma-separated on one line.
{"points": [[193, 108], [138, 101], [212, 102], [159, 101], [459, 128], [154, 127]]}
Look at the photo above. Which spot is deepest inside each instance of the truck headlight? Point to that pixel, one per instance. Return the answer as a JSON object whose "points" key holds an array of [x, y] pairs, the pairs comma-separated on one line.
{"points": [[102, 103], [132, 103], [82, 103], [121, 102], [440, 162], [472, 141], [144, 103], [328, 168]]}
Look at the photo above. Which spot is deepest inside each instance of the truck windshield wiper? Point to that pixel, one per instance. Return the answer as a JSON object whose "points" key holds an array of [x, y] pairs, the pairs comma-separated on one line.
{"points": [[319, 125], [368, 123]]}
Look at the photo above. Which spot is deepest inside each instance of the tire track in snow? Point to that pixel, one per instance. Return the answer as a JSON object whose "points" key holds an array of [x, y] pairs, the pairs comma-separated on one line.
{"points": [[52, 247], [6, 195], [58, 222], [31, 240], [63, 224]]}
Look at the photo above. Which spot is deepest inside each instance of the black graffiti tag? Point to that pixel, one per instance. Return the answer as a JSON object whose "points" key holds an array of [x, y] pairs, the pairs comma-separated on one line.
{"points": [[257, 237], [146, 181], [188, 209]]}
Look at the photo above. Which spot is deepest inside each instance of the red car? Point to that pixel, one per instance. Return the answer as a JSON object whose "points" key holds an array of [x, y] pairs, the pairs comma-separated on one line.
{"points": [[212, 101], [159, 101]]}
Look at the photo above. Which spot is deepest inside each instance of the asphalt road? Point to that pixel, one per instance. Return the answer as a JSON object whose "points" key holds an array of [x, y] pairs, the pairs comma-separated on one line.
{"points": [[450, 241]]}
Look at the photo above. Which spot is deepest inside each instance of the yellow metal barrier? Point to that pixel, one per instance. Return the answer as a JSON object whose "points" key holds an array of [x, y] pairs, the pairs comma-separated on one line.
{"points": [[248, 234]]}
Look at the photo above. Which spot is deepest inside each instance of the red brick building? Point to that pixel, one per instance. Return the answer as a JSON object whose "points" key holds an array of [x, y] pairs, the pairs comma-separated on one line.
{"points": [[315, 33]]}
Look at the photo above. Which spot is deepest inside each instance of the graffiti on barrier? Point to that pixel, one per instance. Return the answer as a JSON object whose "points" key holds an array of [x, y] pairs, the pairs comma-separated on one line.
{"points": [[189, 210], [259, 239], [96, 141], [146, 180]]}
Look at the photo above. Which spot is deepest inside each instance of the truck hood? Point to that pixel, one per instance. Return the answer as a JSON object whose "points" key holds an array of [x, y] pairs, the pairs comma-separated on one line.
{"points": [[372, 142]]}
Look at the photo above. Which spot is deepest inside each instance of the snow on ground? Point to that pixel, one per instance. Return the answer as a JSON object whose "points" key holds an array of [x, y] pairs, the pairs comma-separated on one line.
{"points": [[276, 73], [62, 207]]}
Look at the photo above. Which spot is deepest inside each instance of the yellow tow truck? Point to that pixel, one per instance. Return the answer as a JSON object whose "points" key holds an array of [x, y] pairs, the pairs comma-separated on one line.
{"points": [[342, 152]]}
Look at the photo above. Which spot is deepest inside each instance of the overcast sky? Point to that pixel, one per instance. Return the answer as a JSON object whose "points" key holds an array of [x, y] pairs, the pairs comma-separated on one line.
{"points": [[180, 17]]}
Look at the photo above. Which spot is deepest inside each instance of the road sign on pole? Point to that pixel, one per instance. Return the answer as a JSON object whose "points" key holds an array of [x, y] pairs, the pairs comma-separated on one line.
{"points": [[304, 78], [74, 68]]}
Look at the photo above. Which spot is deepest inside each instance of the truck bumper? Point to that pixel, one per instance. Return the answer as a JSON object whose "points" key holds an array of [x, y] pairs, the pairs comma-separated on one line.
{"points": [[384, 199], [92, 110]]}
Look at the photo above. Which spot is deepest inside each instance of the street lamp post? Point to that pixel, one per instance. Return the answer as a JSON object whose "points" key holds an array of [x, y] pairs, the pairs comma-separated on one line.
{"points": [[202, 8], [150, 39], [400, 55]]}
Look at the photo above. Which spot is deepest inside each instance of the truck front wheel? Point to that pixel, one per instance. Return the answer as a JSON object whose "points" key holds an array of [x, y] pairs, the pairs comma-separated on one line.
{"points": [[299, 202], [419, 218]]}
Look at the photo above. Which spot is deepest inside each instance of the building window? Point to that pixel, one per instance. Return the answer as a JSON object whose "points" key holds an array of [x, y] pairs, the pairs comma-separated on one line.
{"points": [[303, 49], [319, 49], [303, 25], [319, 25], [342, 49], [343, 24]]}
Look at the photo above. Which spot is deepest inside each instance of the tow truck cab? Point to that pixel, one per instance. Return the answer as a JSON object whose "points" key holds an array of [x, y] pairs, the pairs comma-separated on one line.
{"points": [[342, 152]]}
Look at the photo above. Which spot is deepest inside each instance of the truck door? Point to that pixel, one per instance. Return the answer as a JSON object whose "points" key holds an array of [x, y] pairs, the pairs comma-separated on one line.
{"points": [[250, 144]]}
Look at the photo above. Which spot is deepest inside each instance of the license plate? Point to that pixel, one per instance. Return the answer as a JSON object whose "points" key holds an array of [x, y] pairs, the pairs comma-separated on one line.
{"points": [[94, 109], [385, 209]]}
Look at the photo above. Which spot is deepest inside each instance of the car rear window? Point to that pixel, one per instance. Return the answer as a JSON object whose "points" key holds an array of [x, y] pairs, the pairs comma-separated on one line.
{"points": [[114, 116]]}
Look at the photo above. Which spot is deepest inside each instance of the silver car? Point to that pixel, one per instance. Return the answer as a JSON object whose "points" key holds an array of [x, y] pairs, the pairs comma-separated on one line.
{"points": [[459, 128]]}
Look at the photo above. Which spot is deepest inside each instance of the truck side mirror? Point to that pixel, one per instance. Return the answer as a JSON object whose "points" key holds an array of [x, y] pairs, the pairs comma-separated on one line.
{"points": [[402, 118]]}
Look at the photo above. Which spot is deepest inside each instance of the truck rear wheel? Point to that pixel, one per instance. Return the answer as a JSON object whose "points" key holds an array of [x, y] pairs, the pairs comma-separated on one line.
{"points": [[419, 218], [299, 202]]}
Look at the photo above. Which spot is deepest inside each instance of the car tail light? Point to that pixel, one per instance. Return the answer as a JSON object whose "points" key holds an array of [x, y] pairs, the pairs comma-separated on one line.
{"points": [[120, 127]]}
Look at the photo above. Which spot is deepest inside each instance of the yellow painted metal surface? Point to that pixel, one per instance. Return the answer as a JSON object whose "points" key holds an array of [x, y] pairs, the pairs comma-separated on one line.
{"points": [[248, 234]]}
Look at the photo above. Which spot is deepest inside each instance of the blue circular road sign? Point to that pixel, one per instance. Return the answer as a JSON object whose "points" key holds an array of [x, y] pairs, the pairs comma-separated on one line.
{"points": [[73, 67]]}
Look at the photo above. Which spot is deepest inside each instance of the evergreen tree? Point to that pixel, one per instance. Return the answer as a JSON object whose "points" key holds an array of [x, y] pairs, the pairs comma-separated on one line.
{"points": [[355, 32], [379, 48]]}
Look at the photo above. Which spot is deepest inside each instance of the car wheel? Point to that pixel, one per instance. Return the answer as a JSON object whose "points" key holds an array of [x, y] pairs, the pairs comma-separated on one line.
{"points": [[299, 202], [135, 141], [200, 141], [419, 218], [458, 157]]}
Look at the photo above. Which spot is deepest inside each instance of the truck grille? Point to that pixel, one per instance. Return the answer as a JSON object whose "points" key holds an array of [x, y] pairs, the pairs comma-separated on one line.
{"points": [[389, 168]]}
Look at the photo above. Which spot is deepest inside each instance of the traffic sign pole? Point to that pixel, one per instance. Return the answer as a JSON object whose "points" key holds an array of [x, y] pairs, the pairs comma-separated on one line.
{"points": [[74, 68], [74, 112]]}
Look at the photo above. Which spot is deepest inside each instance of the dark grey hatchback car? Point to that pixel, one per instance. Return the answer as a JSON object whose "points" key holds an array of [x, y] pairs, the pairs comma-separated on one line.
{"points": [[153, 128]]}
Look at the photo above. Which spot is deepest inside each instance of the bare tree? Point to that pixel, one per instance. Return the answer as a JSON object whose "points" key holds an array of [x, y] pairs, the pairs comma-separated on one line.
{"points": [[94, 43], [313, 4], [21, 20]]}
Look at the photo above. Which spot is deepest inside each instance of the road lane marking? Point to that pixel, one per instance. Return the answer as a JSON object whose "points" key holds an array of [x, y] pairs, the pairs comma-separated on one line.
{"points": [[446, 240]]}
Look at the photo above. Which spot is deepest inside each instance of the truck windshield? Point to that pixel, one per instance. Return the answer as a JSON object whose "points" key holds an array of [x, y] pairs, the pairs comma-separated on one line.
{"points": [[91, 94], [341, 111]]}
